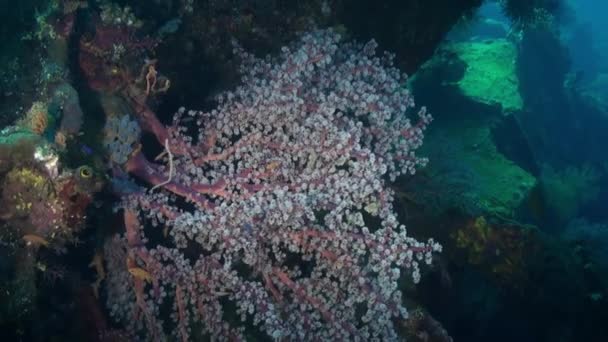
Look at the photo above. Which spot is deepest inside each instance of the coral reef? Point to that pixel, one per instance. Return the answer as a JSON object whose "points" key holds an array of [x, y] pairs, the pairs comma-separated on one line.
{"points": [[275, 211], [266, 204], [502, 250]]}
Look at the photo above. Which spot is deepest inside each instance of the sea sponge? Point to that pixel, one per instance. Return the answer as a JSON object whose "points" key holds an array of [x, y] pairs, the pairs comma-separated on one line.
{"points": [[37, 118]]}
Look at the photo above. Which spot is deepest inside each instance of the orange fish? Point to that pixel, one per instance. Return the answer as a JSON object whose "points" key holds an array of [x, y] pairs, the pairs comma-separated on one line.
{"points": [[97, 263], [32, 239], [272, 165], [140, 273]]}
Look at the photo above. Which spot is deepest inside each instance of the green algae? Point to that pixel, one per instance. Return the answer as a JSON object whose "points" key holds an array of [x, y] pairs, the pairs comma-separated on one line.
{"points": [[490, 76], [480, 179]]}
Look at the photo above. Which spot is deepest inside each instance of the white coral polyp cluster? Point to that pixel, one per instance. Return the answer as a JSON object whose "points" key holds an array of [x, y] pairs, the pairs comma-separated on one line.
{"points": [[296, 225]]}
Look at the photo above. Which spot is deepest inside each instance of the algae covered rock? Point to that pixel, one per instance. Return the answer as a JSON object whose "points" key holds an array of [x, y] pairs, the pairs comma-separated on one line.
{"points": [[471, 173], [490, 75], [478, 87]]}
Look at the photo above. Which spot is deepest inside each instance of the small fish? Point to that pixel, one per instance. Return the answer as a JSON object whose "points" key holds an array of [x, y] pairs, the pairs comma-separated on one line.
{"points": [[32, 239], [140, 273], [86, 149], [248, 228], [97, 264], [273, 165], [41, 266]]}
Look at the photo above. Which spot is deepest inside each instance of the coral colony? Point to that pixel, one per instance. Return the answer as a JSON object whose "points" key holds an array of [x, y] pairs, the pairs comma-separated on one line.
{"points": [[275, 204]]}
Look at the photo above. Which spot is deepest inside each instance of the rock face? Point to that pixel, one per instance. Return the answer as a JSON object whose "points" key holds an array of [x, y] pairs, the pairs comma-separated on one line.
{"points": [[481, 93], [490, 76], [411, 29], [482, 179]]}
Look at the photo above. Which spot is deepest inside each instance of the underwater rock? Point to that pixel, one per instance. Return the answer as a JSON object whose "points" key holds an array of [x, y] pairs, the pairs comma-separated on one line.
{"points": [[466, 166], [466, 163], [490, 76], [500, 251], [483, 71], [484, 29]]}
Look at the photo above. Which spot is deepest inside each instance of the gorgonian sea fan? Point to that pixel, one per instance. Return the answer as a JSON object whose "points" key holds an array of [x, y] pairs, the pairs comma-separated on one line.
{"points": [[277, 208]]}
